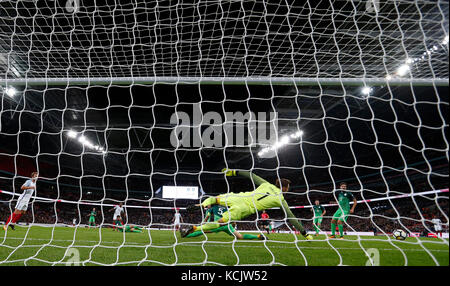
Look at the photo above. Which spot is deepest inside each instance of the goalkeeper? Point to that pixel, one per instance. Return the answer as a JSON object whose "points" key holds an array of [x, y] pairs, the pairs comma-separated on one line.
{"points": [[214, 213], [241, 205], [128, 228]]}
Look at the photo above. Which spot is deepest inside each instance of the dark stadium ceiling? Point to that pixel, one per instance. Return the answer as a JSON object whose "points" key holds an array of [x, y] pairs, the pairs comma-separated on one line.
{"points": [[133, 124], [327, 39], [39, 39]]}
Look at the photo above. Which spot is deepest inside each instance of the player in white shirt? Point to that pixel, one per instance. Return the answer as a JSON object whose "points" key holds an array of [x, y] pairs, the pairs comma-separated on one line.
{"points": [[74, 221], [177, 220], [437, 225], [117, 218], [28, 189]]}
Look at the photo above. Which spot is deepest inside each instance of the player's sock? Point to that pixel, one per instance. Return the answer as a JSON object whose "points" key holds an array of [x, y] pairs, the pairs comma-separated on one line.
{"points": [[333, 229], [316, 229], [209, 201], [9, 219], [207, 227], [16, 217], [250, 236], [341, 229], [195, 234]]}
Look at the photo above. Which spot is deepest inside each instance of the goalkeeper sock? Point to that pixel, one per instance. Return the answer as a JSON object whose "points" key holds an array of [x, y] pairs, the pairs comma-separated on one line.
{"points": [[333, 229], [209, 201], [341, 229], [316, 229], [207, 227], [195, 234], [250, 236]]}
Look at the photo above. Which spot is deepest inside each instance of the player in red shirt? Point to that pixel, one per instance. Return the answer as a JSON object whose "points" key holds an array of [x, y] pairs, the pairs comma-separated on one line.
{"points": [[265, 221]]}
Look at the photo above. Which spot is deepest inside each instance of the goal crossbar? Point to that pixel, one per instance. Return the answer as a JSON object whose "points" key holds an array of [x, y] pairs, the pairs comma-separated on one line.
{"points": [[225, 80]]}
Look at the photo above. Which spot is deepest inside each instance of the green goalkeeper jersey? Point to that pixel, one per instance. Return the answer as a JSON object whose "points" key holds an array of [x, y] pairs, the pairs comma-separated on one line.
{"points": [[318, 210], [344, 199], [93, 214], [215, 212]]}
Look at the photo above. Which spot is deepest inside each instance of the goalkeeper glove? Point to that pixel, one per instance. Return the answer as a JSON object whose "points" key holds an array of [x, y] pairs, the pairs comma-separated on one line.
{"points": [[229, 173]]}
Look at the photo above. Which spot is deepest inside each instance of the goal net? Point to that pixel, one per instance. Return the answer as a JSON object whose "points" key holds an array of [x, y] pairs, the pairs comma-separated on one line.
{"points": [[130, 110]]}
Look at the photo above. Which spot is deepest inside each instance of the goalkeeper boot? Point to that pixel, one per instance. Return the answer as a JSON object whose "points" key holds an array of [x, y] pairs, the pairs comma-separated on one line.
{"points": [[308, 237], [262, 237], [332, 236], [5, 227], [341, 237], [185, 231]]}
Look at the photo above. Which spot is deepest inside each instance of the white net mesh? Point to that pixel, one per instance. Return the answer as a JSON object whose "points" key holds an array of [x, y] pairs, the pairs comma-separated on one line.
{"points": [[94, 91]]}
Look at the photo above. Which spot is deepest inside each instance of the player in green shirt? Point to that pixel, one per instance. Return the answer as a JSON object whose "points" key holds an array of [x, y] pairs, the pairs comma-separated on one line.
{"points": [[344, 210], [92, 216], [319, 211], [214, 213], [241, 205]]}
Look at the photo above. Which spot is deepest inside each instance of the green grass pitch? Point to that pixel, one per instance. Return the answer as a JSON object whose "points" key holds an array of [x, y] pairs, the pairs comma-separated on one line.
{"points": [[45, 246]]}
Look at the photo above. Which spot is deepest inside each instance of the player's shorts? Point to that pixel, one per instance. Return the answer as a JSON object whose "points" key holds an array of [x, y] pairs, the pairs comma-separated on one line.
{"points": [[341, 214], [116, 217], [237, 208], [126, 228], [22, 205], [228, 229], [318, 220], [91, 220], [437, 228]]}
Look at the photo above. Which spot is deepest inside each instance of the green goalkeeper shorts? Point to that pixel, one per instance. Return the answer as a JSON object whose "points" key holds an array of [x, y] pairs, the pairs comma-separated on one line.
{"points": [[341, 214], [228, 229], [91, 220], [318, 220]]}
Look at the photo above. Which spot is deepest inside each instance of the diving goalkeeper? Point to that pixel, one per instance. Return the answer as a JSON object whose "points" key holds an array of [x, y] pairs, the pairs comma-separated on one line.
{"points": [[214, 213], [241, 205]]}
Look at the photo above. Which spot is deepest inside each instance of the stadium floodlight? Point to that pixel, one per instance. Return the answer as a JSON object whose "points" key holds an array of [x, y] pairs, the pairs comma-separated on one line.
{"points": [[403, 70], [72, 134], [11, 91], [298, 134], [388, 77], [445, 40], [89, 144], [279, 144], [409, 60], [285, 139], [367, 90], [82, 139]]}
